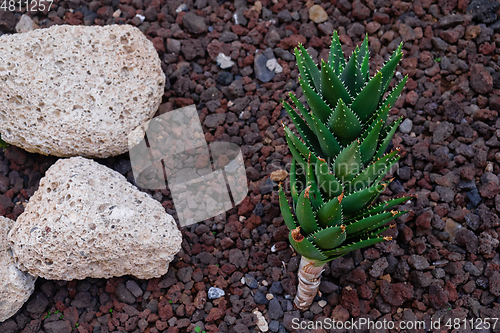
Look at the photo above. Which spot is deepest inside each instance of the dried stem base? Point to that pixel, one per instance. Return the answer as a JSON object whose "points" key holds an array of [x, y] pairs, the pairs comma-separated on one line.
{"points": [[309, 280]]}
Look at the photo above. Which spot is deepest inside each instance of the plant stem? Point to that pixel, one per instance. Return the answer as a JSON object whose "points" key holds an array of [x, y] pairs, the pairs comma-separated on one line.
{"points": [[309, 280]]}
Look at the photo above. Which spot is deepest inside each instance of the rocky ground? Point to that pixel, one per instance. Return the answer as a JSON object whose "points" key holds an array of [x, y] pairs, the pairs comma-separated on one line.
{"points": [[443, 263]]}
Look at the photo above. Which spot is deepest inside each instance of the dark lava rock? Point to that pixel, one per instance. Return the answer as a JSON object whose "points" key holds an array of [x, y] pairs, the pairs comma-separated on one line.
{"points": [[424, 220], [8, 20], [37, 303], [124, 295], [285, 54], [474, 197], [260, 298], [494, 282], [439, 44], [328, 287], [438, 298], [483, 10], [261, 71], [210, 94], [481, 80], [275, 311], [82, 300], [349, 299], [58, 327], [134, 288], [185, 274], [442, 131], [396, 294], [449, 21], [490, 187], [360, 11], [225, 78], [194, 23], [276, 288], [446, 194], [467, 239], [421, 279], [228, 36], [250, 281], [488, 219], [341, 266], [8, 326], [418, 262]]}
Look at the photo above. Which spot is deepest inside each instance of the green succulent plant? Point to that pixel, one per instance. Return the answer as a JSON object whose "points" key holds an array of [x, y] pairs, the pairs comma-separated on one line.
{"points": [[340, 159]]}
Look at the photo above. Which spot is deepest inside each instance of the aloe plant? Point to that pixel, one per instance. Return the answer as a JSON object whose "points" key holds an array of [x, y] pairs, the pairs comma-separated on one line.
{"points": [[339, 161]]}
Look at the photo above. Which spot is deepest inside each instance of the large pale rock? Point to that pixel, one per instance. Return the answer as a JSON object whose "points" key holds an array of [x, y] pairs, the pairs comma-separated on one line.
{"points": [[15, 286], [77, 90], [86, 220]]}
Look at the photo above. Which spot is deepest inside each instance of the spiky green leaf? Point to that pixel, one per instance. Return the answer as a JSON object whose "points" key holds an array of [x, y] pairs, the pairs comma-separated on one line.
{"points": [[340, 251], [300, 147], [328, 238], [355, 202], [394, 94], [306, 133], [293, 182], [332, 88], [366, 102], [302, 109], [336, 59], [329, 145], [383, 224], [330, 214], [363, 57], [305, 214], [386, 205], [371, 173], [348, 163], [390, 67], [304, 73], [344, 124], [366, 223], [369, 145], [311, 68], [380, 115], [316, 103], [306, 249], [350, 75], [385, 142], [314, 192], [327, 182]]}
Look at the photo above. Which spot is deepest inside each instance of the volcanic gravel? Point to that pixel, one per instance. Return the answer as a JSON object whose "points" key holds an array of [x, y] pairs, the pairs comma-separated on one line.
{"points": [[443, 262]]}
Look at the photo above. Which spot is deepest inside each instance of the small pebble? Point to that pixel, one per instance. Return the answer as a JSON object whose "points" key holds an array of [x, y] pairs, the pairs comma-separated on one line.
{"points": [[224, 61], [181, 8], [273, 65], [215, 292], [317, 14], [261, 321], [406, 126]]}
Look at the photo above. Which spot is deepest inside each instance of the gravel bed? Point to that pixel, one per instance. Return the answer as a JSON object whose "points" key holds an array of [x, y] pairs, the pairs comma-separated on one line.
{"points": [[444, 262]]}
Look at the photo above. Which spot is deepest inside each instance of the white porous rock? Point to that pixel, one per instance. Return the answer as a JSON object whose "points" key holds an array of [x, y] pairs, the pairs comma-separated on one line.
{"points": [[15, 286], [86, 220], [77, 90]]}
